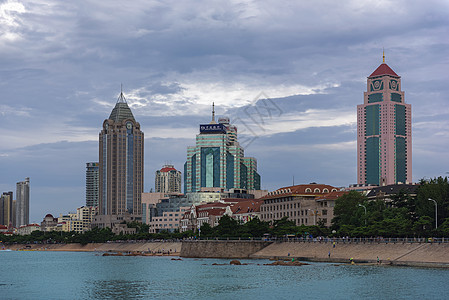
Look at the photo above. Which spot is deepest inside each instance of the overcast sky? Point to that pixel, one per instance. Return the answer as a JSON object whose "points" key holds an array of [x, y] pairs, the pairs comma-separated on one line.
{"points": [[62, 63]]}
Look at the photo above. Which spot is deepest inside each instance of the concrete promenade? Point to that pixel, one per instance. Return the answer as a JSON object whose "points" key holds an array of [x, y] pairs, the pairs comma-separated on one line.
{"points": [[412, 254]]}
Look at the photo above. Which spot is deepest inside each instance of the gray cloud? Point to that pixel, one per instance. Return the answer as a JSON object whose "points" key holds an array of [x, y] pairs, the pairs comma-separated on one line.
{"points": [[63, 63]]}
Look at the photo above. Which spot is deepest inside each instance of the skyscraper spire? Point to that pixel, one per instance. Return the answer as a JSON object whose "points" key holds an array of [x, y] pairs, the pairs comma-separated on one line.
{"points": [[121, 98]]}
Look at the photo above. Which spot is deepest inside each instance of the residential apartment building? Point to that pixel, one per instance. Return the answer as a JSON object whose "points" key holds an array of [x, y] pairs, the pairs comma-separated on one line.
{"points": [[168, 180], [169, 221], [7, 209], [22, 206], [92, 183]]}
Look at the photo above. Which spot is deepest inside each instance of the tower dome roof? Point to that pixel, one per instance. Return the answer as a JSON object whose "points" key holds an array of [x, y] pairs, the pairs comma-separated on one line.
{"points": [[383, 69]]}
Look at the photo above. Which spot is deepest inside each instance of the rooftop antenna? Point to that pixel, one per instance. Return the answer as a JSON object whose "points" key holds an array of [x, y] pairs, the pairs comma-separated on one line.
{"points": [[293, 179], [213, 113], [121, 98], [383, 54]]}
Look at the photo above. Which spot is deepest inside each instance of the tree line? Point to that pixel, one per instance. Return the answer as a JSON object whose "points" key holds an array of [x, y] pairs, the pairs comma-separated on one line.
{"points": [[404, 216]]}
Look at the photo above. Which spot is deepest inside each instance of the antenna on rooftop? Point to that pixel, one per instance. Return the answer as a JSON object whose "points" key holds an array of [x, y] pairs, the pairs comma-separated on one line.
{"points": [[213, 114], [121, 98]]}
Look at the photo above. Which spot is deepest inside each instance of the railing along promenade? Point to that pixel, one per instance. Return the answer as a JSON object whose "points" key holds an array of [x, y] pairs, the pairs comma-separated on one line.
{"points": [[339, 240]]}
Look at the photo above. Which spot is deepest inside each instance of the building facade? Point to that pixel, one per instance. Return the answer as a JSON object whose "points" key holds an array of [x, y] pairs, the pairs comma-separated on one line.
{"points": [[384, 131], [217, 160], [169, 221], [22, 203], [28, 229], [92, 183], [121, 163], [305, 204], [168, 180], [6, 209]]}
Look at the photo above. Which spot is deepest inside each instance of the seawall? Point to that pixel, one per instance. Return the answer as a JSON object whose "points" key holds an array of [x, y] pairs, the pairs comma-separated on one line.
{"points": [[406, 254], [413, 254], [221, 249]]}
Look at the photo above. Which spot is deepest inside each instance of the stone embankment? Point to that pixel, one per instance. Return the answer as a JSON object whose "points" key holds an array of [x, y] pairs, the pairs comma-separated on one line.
{"points": [[172, 248], [412, 254], [221, 249]]}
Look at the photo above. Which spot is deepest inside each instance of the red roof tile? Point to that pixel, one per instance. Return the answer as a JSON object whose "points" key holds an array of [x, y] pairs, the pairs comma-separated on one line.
{"points": [[167, 169], [333, 195], [383, 69], [302, 189]]}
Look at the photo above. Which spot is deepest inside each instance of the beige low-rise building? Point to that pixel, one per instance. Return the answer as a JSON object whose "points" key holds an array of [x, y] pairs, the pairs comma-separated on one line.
{"points": [[169, 221], [28, 229], [49, 223], [305, 204]]}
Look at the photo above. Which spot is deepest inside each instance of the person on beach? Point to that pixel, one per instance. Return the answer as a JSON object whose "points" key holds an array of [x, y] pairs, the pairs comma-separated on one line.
{"points": [[329, 255], [378, 260]]}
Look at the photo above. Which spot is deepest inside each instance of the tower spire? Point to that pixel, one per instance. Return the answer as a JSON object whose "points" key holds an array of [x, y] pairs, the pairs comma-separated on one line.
{"points": [[383, 55], [121, 98]]}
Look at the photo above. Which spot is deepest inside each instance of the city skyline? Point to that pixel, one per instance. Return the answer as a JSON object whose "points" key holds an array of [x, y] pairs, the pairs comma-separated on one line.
{"points": [[63, 65]]}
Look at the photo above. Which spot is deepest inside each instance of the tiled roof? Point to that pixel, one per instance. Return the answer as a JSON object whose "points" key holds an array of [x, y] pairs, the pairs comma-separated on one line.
{"points": [[393, 189], [383, 69], [302, 189], [167, 169], [332, 195], [248, 206]]}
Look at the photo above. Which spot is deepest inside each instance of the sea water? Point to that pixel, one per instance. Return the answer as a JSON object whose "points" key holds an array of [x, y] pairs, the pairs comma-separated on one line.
{"points": [[88, 275]]}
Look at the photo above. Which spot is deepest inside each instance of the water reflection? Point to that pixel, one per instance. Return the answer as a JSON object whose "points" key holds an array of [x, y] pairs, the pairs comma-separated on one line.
{"points": [[119, 289]]}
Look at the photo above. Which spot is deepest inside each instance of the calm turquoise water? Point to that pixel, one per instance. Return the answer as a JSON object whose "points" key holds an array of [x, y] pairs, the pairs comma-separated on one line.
{"points": [[71, 275]]}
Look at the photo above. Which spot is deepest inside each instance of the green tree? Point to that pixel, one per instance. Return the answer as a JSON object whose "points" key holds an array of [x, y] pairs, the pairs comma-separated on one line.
{"points": [[256, 228], [438, 190], [347, 211], [207, 230], [228, 227], [283, 227]]}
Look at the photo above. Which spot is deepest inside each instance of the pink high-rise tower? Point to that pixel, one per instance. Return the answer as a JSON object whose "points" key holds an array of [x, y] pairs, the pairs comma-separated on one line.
{"points": [[384, 131]]}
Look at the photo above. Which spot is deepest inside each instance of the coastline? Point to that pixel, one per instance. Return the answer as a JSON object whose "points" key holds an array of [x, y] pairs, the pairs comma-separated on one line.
{"points": [[399, 254], [149, 248]]}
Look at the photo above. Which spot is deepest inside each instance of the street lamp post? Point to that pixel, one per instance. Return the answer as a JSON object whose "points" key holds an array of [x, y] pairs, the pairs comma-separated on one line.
{"points": [[436, 212], [365, 211]]}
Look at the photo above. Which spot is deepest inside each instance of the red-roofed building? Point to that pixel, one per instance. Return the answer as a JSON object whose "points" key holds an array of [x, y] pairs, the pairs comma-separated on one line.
{"points": [[28, 229], [168, 180], [3, 228], [243, 210], [300, 204]]}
